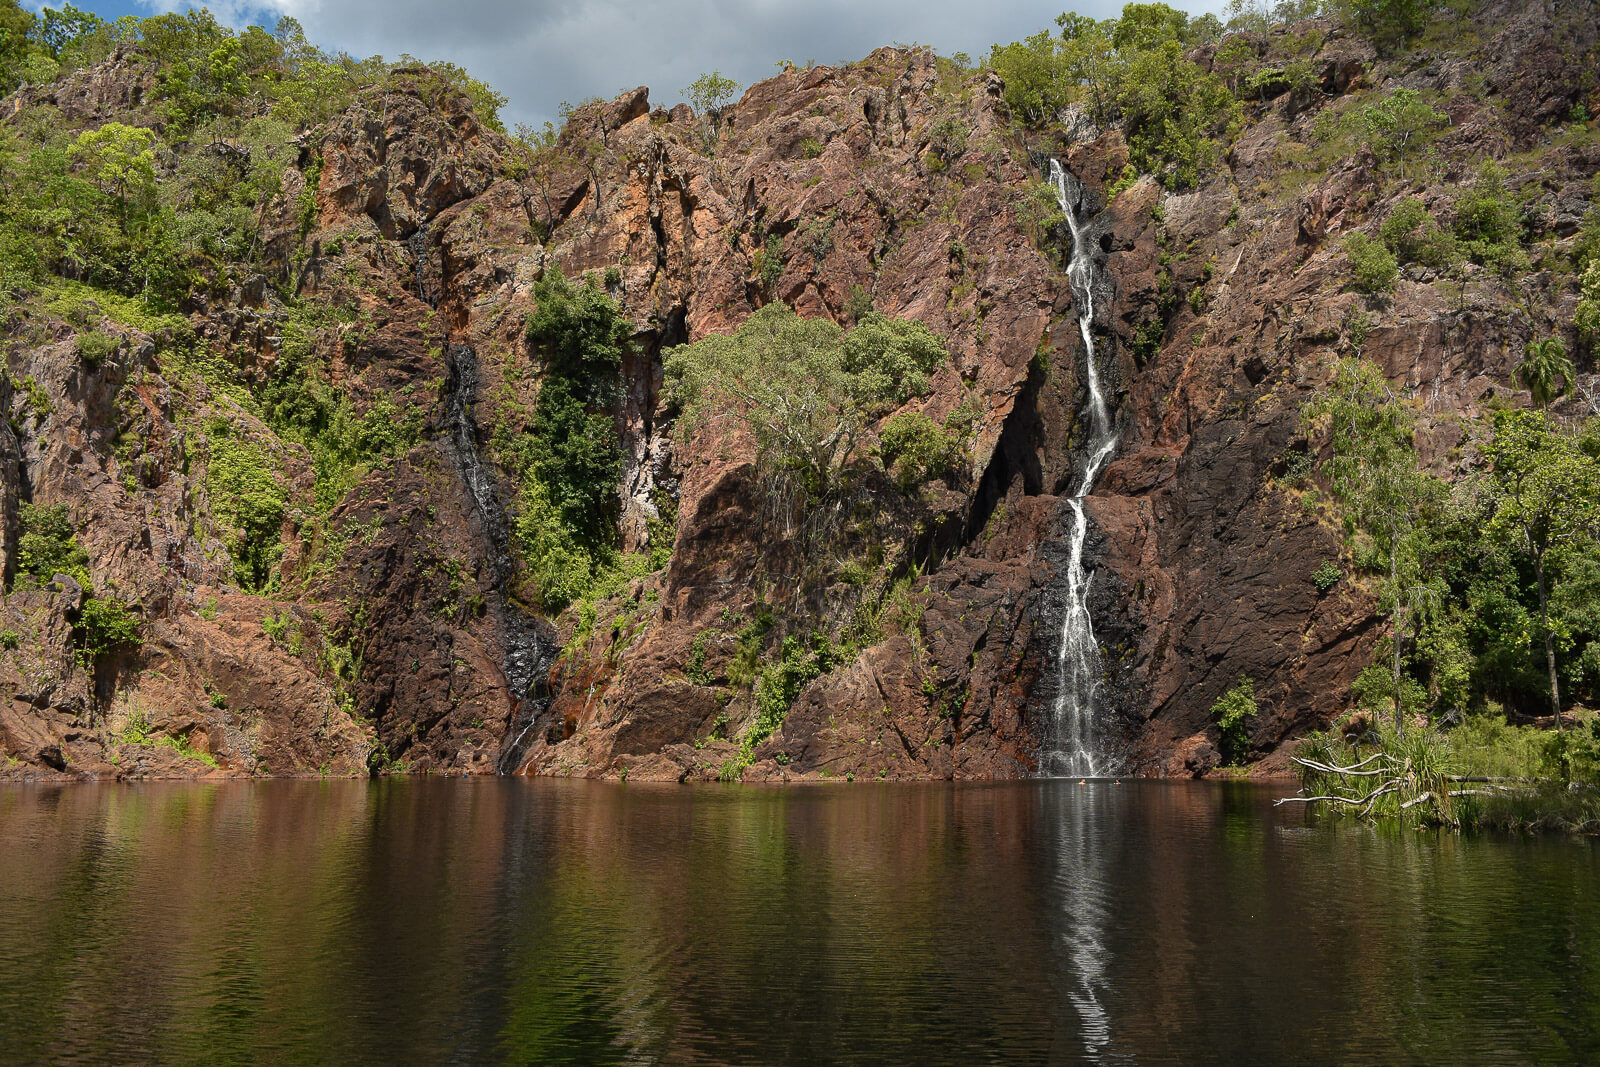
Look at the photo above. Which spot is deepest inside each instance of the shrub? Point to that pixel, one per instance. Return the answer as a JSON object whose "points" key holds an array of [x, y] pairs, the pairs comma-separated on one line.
{"points": [[1488, 222], [106, 625], [810, 148], [1232, 713], [95, 347], [1372, 266], [806, 391], [1326, 576], [1399, 126], [10, 640], [710, 94], [48, 547], [249, 499], [858, 303], [1586, 318], [1414, 237], [1544, 363], [769, 261], [915, 449]]}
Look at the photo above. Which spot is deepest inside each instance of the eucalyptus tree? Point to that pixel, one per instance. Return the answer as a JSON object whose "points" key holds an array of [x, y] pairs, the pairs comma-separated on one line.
{"points": [[1547, 500], [1385, 496]]}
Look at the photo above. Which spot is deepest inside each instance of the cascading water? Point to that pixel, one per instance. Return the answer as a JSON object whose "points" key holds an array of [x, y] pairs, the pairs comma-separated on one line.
{"points": [[529, 652], [1072, 743]]}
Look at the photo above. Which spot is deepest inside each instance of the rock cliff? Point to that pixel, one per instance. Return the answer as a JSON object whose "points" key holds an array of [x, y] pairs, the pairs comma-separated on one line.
{"points": [[396, 632]]}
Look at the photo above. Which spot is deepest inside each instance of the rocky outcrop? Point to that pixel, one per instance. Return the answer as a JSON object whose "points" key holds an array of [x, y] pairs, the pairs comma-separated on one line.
{"points": [[395, 632]]}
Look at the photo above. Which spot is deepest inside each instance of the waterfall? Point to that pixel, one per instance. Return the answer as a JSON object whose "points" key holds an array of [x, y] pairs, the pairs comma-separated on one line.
{"points": [[529, 652], [1072, 745]]}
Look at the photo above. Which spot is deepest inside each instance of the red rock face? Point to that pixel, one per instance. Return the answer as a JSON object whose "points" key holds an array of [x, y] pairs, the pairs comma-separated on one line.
{"points": [[891, 177]]}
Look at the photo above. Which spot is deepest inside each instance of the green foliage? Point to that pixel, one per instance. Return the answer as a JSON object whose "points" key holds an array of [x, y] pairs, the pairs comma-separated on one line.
{"points": [[94, 347], [1411, 233], [806, 391], [568, 455], [810, 148], [1544, 364], [249, 498], [1232, 713], [560, 567], [572, 444], [302, 406], [1134, 71], [1391, 23], [710, 94], [486, 102], [915, 449], [86, 207], [1481, 774], [1546, 488], [106, 625], [10, 640], [1586, 317], [858, 304], [890, 360], [1326, 576], [947, 141], [1488, 222], [694, 665], [581, 333], [1387, 499], [33, 48], [1400, 126], [48, 545], [768, 261], [1372, 266]]}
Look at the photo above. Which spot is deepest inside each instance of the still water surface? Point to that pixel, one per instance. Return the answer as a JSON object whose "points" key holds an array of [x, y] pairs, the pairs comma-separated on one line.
{"points": [[538, 921]]}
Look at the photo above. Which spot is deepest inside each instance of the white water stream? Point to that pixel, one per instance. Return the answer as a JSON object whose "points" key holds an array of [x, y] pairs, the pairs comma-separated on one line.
{"points": [[1072, 743]]}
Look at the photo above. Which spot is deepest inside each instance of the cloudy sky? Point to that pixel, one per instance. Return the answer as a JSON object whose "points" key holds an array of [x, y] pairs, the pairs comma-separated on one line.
{"points": [[541, 52]]}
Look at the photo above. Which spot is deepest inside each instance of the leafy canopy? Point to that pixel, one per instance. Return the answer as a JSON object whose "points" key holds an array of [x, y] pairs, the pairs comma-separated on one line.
{"points": [[806, 390]]}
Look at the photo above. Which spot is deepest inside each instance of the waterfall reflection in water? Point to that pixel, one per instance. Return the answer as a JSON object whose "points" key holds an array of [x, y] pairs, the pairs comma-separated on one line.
{"points": [[1080, 833], [535, 921]]}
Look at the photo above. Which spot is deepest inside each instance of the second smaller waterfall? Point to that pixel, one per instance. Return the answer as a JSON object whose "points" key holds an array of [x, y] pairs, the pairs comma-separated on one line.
{"points": [[1072, 743]]}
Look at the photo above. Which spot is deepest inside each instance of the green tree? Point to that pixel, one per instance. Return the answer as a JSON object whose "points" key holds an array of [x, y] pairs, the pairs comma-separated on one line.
{"points": [[1372, 266], [105, 625], [1586, 317], [17, 27], [1391, 22], [121, 159], [1544, 363], [569, 455], [1411, 233], [1232, 713], [1385, 497], [807, 392], [48, 545], [1399, 125], [1132, 70], [1488, 222], [1547, 497], [710, 95]]}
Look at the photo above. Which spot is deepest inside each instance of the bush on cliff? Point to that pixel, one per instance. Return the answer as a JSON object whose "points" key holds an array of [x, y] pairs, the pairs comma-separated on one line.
{"points": [[806, 391], [48, 545], [567, 453], [1131, 71], [1372, 266], [1232, 713]]}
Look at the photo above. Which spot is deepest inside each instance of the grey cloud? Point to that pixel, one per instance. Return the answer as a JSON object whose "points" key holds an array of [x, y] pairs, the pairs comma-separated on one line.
{"points": [[542, 52]]}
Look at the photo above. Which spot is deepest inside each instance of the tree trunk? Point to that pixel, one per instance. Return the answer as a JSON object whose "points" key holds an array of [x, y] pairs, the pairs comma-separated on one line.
{"points": [[1549, 640], [1399, 632]]}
